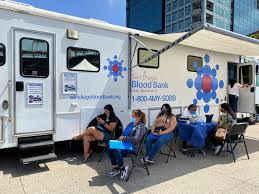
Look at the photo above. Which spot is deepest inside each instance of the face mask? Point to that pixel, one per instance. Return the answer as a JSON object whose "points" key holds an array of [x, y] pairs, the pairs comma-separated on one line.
{"points": [[133, 120], [164, 111]]}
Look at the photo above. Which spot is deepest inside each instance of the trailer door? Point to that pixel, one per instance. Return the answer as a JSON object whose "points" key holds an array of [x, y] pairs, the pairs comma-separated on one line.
{"points": [[33, 75], [246, 75]]}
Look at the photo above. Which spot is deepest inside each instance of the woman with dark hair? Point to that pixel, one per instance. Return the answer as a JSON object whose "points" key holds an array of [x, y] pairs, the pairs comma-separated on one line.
{"points": [[132, 134], [161, 132], [106, 124], [233, 93], [225, 123]]}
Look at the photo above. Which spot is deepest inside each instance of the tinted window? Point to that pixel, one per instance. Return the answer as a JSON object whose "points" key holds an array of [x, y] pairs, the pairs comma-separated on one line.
{"points": [[246, 74], [81, 59], [144, 54], [2, 54], [193, 63], [34, 55]]}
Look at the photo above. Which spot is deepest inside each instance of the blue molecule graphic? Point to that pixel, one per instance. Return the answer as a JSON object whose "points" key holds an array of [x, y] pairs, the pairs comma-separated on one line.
{"points": [[207, 58], [189, 83], [206, 83], [115, 68], [206, 108]]}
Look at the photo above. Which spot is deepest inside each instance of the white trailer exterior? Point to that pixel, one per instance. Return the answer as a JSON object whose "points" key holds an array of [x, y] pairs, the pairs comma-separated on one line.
{"points": [[59, 97]]}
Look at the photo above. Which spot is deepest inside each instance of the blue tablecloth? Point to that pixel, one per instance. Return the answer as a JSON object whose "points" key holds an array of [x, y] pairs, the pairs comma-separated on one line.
{"points": [[195, 133]]}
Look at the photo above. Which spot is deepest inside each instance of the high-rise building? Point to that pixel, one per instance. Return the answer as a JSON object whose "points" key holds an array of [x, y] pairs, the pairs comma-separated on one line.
{"points": [[146, 15], [241, 16]]}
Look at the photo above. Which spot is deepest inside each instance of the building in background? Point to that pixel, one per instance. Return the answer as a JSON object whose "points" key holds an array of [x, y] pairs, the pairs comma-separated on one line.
{"points": [[241, 16], [146, 15]]}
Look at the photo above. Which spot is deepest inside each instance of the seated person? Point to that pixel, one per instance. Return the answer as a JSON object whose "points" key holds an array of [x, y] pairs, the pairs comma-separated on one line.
{"points": [[191, 112], [225, 123], [161, 132], [133, 134], [106, 124]]}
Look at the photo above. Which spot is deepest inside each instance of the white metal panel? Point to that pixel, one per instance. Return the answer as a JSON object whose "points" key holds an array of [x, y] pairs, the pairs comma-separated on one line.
{"points": [[173, 71], [31, 118]]}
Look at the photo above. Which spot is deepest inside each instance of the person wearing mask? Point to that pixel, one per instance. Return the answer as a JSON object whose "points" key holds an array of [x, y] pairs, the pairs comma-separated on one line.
{"points": [[106, 124], [132, 134], [161, 132], [233, 93], [226, 120], [191, 112]]}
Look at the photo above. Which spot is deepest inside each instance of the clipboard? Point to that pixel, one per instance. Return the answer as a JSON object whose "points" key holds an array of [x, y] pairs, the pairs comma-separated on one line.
{"points": [[120, 145]]}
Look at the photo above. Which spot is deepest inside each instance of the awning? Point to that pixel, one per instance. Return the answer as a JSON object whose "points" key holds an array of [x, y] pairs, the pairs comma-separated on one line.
{"points": [[215, 39]]}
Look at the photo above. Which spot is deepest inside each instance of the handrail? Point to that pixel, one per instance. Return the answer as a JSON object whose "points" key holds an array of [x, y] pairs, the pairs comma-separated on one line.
{"points": [[9, 99]]}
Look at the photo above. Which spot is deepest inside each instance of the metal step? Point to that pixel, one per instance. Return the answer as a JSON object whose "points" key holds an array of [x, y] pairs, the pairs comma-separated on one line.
{"points": [[37, 144], [38, 158]]}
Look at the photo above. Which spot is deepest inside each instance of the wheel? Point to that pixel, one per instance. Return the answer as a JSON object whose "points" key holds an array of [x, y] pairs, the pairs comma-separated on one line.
{"points": [[252, 119]]}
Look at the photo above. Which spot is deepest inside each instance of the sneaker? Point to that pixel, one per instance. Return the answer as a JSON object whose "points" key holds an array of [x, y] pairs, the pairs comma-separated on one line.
{"points": [[115, 172], [217, 149], [124, 172], [148, 160]]}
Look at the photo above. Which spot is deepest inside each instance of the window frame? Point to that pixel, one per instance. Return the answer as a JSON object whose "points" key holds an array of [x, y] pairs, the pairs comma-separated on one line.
{"points": [[4, 53], [31, 76], [99, 68], [196, 57], [149, 67]]}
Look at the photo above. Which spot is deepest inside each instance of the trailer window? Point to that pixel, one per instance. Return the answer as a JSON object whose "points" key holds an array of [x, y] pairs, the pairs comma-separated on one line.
{"points": [[82, 59], [246, 74], [2, 54], [34, 58], [144, 54], [193, 63]]}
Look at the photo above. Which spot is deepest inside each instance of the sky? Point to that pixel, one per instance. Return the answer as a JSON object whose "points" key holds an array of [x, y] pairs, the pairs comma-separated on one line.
{"points": [[112, 11]]}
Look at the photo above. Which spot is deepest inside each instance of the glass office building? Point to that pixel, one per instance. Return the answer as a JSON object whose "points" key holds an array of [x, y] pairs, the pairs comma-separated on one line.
{"points": [[241, 16], [146, 15], [246, 16]]}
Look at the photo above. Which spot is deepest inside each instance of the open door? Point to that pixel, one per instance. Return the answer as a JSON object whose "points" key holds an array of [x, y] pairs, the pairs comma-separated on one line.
{"points": [[246, 75]]}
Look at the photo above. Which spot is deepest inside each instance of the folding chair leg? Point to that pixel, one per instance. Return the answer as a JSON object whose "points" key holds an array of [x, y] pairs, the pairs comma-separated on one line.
{"points": [[246, 150], [221, 148], [101, 157], [232, 152], [133, 162]]}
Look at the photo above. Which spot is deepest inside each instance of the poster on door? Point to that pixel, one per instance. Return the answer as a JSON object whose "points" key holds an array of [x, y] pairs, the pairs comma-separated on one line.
{"points": [[34, 93], [69, 83]]}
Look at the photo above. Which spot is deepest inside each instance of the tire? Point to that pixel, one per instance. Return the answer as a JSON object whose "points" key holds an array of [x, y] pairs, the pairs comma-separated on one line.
{"points": [[252, 119]]}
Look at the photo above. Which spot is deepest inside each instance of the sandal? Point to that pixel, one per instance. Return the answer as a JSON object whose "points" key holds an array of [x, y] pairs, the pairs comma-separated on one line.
{"points": [[88, 158]]}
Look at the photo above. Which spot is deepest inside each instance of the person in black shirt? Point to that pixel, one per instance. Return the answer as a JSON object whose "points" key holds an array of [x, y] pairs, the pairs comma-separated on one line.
{"points": [[105, 125]]}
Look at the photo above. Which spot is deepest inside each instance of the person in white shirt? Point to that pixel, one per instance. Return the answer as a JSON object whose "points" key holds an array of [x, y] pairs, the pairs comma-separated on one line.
{"points": [[233, 93], [191, 112]]}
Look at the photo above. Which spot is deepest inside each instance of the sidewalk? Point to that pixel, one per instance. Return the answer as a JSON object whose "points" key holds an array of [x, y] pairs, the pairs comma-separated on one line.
{"points": [[199, 174]]}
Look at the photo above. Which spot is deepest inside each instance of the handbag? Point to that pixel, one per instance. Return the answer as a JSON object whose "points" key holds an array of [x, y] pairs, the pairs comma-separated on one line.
{"points": [[221, 133], [159, 129]]}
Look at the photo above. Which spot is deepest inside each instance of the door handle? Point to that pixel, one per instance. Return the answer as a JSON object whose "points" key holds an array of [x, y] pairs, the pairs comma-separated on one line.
{"points": [[19, 86]]}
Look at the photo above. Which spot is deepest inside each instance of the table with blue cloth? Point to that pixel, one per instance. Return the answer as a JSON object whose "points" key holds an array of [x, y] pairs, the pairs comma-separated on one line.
{"points": [[195, 134]]}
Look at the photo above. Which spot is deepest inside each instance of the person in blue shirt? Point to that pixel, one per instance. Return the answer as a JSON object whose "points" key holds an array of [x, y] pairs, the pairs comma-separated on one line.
{"points": [[132, 134], [161, 133]]}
